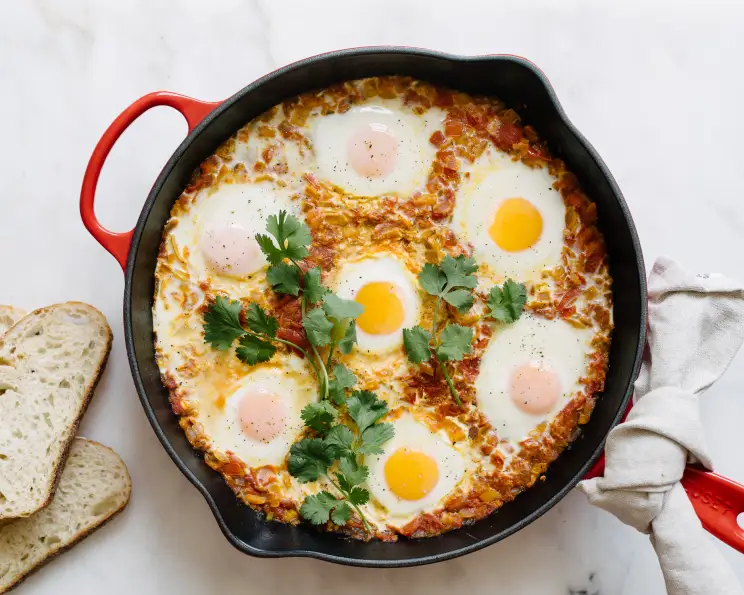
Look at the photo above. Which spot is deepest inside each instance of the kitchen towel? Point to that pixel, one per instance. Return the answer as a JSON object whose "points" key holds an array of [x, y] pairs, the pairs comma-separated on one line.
{"points": [[696, 326]]}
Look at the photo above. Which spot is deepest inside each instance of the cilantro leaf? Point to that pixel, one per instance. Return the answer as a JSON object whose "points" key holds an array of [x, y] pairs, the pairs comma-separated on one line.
{"points": [[374, 437], [284, 278], [341, 514], [253, 350], [358, 496], [292, 235], [309, 459], [461, 299], [347, 342], [317, 508], [507, 304], [318, 327], [339, 309], [459, 271], [365, 408], [339, 440], [416, 343], [344, 376], [319, 416], [312, 287], [455, 342], [260, 322], [273, 254], [432, 279], [222, 323], [343, 379], [351, 473]]}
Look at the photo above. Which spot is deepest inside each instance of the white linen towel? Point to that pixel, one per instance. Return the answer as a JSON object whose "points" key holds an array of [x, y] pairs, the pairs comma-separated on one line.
{"points": [[696, 326]]}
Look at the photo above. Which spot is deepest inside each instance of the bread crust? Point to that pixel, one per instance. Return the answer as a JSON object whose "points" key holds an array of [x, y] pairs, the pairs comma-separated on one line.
{"points": [[10, 316]]}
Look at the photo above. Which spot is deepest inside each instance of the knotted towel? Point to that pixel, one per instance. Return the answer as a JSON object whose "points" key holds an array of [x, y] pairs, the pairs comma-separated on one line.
{"points": [[696, 325]]}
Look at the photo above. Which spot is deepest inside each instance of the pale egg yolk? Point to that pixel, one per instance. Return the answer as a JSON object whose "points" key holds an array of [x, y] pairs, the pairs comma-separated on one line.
{"points": [[231, 250], [411, 474], [262, 415], [383, 309], [534, 390], [516, 226], [373, 150]]}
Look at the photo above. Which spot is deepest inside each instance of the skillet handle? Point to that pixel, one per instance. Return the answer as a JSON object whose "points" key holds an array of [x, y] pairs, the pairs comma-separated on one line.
{"points": [[192, 110], [717, 502]]}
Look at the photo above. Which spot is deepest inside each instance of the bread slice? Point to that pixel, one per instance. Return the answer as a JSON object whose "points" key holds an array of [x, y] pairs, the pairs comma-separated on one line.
{"points": [[9, 315], [94, 487], [50, 363]]}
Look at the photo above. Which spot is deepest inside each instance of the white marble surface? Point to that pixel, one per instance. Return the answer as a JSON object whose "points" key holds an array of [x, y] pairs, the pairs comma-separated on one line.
{"points": [[656, 87]]}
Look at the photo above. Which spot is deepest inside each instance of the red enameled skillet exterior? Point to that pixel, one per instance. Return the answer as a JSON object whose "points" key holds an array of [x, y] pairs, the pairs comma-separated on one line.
{"points": [[522, 86]]}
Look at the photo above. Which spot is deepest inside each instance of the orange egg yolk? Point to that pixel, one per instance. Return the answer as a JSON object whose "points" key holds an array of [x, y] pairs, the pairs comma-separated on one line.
{"points": [[411, 474], [372, 151], [516, 226], [383, 308], [534, 390], [262, 415]]}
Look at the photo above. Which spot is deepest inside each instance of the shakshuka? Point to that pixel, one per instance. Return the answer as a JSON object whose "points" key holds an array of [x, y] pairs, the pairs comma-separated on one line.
{"points": [[388, 174]]}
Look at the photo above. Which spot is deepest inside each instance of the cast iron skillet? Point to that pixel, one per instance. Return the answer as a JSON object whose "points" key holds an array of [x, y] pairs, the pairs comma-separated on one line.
{"points": [[522, 86]]}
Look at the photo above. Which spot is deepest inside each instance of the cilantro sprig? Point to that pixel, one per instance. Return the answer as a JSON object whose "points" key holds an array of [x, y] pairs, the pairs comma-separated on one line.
{"points": [[328, 320], [256, 343], [337, 451], [341, 428], [453, 281]]}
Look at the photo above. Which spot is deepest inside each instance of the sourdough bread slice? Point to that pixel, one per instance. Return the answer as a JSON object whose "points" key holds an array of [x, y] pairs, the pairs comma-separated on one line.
{"points": [[93, 488], [9, 315], [50, 363]]}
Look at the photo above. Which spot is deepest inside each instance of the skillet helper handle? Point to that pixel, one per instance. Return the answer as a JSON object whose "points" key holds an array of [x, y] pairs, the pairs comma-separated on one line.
{"points": [[717, 502], [118, 243]]}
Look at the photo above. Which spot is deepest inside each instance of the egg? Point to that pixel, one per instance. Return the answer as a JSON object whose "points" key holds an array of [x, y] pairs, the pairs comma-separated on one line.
{"points": [[416, 471], [528, 373], [258, 418], [511, 215], [220, 228], [387, 290], [375, 149]]}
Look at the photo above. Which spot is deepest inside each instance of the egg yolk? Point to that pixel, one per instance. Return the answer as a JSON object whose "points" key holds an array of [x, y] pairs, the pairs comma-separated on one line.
{"points": [[534, 390], [383, 308], [516, 226], [411, 474], [231, 250], [262, 415], [373, 150]]}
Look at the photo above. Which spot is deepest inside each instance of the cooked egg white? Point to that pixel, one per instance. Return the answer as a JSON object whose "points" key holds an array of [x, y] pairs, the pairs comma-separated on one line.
{"points": [[529, 372], [375, 148], [415, 473], [511, 215]]}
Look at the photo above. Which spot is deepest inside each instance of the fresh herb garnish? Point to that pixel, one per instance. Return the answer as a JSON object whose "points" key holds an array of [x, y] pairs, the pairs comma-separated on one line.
{"points": [[506, 303], [337, 454], [336, 447], [257, 343], [453, 281]]}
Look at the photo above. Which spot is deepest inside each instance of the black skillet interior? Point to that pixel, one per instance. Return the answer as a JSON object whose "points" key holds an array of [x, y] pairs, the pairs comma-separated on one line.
{"points": [[521, 86]]}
